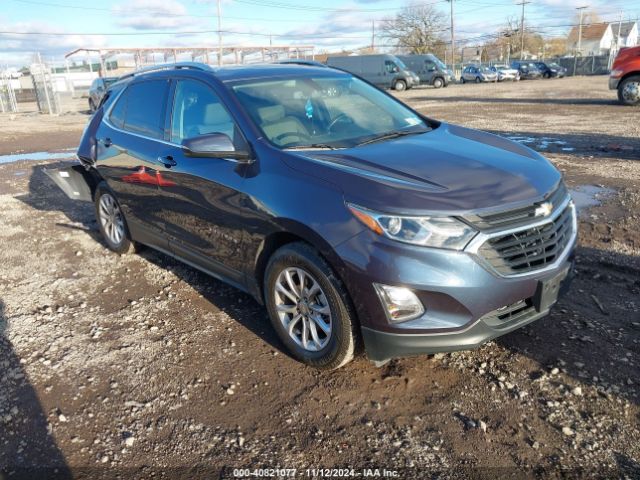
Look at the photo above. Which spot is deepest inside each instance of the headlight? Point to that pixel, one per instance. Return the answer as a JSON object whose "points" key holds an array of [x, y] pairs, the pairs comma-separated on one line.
{"points": [[438, 232], [616, 73]]}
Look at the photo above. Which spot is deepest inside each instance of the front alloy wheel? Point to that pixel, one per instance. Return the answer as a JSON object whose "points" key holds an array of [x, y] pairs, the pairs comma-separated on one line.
{"points": [[303, 309], [629, 90], [309, 307]]}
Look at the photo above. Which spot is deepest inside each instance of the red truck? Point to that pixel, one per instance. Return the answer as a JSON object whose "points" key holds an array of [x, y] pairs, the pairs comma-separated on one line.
{"points": [[625, 76]]}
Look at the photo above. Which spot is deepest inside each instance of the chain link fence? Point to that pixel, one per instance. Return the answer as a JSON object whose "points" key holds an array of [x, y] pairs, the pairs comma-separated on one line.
{"points": [[47, 99], [592, 65]]}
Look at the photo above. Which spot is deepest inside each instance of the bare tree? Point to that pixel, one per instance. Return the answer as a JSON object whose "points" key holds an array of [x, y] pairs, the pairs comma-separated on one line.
{"points": [[417, 28]]}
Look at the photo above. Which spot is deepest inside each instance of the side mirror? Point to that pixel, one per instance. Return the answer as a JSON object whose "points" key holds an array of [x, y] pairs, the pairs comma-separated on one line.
{"points": [[214, 145]]}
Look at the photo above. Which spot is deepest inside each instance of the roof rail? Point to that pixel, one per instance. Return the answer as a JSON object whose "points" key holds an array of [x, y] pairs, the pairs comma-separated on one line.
{"points": [[169, 66]]}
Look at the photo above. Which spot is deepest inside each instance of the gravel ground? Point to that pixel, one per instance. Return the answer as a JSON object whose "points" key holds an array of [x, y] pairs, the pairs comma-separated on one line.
{"points": [[141, 367]]}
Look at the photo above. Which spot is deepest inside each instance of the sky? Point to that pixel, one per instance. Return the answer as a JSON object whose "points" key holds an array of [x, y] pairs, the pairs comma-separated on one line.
{"points": [[55, 27]]}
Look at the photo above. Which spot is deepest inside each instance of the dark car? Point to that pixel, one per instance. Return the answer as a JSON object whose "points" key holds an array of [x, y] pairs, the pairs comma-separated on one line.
{"points": [[354, 219], [97, 90], [551, 70], [527, 70]]}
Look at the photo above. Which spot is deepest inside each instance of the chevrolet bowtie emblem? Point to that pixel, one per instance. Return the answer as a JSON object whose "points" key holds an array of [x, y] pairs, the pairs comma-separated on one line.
{"points": [[543, 209]]}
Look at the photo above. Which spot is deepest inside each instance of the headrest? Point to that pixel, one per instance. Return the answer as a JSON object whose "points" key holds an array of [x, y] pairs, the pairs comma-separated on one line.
{"points": [[215, 113], [271, 114]]}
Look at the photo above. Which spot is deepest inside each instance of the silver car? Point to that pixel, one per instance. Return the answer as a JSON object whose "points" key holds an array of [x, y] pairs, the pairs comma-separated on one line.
{"points": [[505, 72], [478, 74]]}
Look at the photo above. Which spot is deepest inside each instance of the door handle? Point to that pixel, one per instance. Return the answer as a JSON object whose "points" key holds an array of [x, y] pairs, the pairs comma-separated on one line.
{"points": [[107, 142], [167, 161]]}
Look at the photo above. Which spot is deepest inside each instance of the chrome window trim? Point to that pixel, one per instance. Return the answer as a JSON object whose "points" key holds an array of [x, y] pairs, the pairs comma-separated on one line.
{"points": [[474, 245]]}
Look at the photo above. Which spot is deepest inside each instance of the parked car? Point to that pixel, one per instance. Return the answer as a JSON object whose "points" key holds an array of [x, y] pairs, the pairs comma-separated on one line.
{"points": [[625, 76], [527, 70], [504, 72], [97, 90], [429, 69], [386, 71], [353, 218], [478, 74], [551, 70]]}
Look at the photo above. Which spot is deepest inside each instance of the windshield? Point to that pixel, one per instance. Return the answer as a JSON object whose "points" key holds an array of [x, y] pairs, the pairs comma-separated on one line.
{"points": [[325, 112], [400, 64], [439, 63]]}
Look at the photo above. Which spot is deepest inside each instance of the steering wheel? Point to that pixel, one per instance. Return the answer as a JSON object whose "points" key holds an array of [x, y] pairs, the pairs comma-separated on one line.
{"points": [[343, 117], [301, 136]]}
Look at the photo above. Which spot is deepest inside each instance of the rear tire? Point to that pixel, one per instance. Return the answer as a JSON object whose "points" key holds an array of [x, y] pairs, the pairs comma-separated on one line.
{"points": [[546, 75], [629, 91], [111, 221], [309, 307], [400, 85], [462, 80], [438, 82]]}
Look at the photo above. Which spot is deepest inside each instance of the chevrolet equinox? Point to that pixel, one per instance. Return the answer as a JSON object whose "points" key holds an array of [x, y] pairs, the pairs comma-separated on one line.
{"points": [[354, 219]]}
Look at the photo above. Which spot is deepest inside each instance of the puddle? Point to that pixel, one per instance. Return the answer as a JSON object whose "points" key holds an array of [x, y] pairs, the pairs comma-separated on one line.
{"points": [[586, 196], [36, 156], [542, 143]]}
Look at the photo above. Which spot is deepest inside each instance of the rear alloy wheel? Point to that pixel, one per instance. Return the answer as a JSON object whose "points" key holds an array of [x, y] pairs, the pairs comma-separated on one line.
{"points": [[309, 307], [629, 90], [438, 83], [111, 222], [400, 85]]}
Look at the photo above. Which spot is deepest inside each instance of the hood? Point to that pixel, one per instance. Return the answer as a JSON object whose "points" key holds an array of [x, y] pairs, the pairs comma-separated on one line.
{"points": [[450, 169]]}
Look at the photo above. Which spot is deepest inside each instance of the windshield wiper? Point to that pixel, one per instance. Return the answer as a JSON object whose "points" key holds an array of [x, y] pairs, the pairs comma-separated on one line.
{"points": [[390, 135], [316, 146]]}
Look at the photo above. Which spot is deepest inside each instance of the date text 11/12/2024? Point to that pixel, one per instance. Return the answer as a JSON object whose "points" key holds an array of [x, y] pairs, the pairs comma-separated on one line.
{"points": [[313, 473]]}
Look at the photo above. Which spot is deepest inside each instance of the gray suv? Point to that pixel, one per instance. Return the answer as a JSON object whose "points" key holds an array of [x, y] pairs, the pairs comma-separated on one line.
{"points": [[97, 90], [355, 220]]}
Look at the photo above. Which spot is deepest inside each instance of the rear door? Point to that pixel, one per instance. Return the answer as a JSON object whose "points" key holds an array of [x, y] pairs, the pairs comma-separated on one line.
{"points": [[201, 207], [129, 142]]}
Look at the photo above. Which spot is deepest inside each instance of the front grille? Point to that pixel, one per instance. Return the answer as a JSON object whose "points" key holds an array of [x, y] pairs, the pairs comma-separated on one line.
{"points": [[530, 249], [517, 216]]}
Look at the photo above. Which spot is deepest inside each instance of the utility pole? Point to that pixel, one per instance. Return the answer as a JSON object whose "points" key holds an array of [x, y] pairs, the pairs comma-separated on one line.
{"points": [[575, 58], [219, 34], [619, 31], [523, 3], [453, 41], [373, 35]]}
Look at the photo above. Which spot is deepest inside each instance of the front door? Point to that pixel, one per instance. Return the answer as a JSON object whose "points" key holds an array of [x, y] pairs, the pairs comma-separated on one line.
{"points": [[201, 203]]}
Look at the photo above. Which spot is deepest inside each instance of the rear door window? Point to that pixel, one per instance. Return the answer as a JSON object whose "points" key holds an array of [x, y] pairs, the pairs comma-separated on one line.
{"points": [[146, 104]]}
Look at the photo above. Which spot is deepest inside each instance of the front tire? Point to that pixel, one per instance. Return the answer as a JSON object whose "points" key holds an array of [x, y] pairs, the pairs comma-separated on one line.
{"points": [[438, 83], [111, 221], [629, 91], [478, 80], [400, 85], [309, 307]]}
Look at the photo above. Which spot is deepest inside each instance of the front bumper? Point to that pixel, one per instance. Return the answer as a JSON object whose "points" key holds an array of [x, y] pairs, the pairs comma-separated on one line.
{"points": [[467, 303], [613, 83]]}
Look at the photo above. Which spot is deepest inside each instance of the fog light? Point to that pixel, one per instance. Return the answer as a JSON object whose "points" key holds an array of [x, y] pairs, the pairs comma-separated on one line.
{"points": [[400, 303]]}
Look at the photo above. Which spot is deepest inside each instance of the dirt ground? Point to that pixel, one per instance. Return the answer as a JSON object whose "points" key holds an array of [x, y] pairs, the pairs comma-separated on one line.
{"points": [[141, 367]]}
